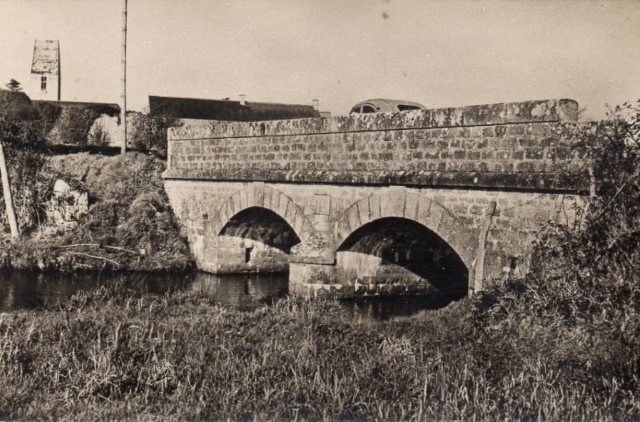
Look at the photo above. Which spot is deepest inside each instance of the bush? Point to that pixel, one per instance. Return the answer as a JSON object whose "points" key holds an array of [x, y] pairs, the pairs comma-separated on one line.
{"points": [[21, 132], [149, 133], [576, 316], [129, 211], [73, 125]]}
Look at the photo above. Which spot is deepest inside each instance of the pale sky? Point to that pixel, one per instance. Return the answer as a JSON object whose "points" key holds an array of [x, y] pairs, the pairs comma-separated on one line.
{"points": [[439, 53]]}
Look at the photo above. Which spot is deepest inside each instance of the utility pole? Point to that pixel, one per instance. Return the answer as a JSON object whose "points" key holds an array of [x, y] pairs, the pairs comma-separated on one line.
{"points": [[8, 198], [123, 147]]}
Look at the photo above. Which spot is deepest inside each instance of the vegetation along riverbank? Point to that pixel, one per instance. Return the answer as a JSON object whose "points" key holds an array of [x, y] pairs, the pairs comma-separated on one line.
{"points": [[562, 343], [84, 211], [126, 224]]}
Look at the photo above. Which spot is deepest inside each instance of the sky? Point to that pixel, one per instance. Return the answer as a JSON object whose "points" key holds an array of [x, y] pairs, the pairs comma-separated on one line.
{"points": [[438, 53]]}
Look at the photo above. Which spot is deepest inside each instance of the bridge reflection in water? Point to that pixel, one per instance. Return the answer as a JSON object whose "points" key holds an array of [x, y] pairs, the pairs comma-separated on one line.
{"points": [[240, 290], [26, 290]]}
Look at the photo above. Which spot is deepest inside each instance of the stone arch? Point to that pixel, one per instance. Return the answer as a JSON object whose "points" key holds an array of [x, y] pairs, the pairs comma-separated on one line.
{"points": [[261, 225], [261, 196], [456, 231], [397, 255]]}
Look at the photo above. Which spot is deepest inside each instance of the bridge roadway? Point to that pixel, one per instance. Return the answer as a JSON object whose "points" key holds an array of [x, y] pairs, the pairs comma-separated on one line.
{"points": [[446, 200]]}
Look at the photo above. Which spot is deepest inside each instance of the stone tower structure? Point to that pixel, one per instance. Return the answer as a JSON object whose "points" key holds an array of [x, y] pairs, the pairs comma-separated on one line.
{"points": [[45, 71]]}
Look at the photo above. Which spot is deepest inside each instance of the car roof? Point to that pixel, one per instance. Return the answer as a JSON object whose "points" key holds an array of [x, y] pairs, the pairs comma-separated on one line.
{"points": [[381, 102]]}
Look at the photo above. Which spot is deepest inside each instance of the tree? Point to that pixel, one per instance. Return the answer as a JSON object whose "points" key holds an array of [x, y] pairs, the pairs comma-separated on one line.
{"points": [[14, 86], [149, 133], [21, 142], [10, 107]]}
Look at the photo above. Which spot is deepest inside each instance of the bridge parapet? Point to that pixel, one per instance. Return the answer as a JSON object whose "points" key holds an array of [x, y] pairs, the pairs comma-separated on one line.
{"points": [[543, 111], [499, 146]]}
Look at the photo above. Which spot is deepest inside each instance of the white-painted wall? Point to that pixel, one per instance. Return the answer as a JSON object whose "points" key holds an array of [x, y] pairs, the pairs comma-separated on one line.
{"points": [[35, 88]]}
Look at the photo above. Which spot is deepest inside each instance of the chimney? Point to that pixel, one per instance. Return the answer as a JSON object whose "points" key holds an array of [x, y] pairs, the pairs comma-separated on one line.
{"points": [[316, 104], [243, 100]]}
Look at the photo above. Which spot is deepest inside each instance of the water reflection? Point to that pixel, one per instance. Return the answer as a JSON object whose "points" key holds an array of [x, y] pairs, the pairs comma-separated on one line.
{"points": [[31, 290], [242, 291], [27, 290], [381, 308]]}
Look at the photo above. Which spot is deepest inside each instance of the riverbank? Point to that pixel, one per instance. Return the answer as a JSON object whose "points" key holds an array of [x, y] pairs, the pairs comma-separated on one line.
{"points": [[128, 224], [116, 355]]}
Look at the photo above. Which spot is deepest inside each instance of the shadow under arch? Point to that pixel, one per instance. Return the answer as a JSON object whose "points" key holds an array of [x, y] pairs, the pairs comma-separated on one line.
{"points": [[261, 225], [400, 242]]}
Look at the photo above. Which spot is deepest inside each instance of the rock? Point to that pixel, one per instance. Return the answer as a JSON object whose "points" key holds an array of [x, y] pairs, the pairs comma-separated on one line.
{"points": [[66, 205]]}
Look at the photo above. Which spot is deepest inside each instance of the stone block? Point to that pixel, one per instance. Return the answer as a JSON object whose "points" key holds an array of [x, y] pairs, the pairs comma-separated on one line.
{"points": [[432, 216], [353, 216], [305, 273], [411, 206], [375, 208], [282, 204], [364, 211], [394, 204]]}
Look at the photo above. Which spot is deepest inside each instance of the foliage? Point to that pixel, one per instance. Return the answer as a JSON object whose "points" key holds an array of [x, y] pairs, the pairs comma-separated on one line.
{"points": [[73, 125], [607, 235], [149, 133], [48, 114], [13, 86], [129, 212], [20, 133], [577, 314], [111, 354]]}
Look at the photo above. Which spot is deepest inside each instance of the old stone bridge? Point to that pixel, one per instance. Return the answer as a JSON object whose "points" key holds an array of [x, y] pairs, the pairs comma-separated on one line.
{"points": [[394, 203]]}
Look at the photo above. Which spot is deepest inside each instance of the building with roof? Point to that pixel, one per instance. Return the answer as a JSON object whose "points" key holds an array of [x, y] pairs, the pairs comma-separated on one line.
{"points": [[242, 111], [44, 83]]}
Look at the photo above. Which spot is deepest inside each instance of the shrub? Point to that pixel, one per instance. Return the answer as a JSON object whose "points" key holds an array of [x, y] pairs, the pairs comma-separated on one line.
{"points": [[21, 134], [149, 133], [576, 315], [129, 211]]}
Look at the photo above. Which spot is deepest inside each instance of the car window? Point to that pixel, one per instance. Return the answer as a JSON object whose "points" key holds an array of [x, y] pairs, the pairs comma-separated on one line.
{"points": [[356, 109], [368, 109], [405, 107]]}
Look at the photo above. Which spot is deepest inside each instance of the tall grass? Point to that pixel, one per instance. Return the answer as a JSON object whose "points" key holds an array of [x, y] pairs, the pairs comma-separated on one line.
{"points": [[117, 355]]}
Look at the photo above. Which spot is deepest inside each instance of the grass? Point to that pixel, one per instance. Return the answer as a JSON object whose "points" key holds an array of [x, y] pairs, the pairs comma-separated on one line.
{"points": [[112, 354]]}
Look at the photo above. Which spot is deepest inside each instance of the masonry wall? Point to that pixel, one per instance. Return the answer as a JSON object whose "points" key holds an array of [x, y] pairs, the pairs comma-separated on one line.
{"points": [[517, 219], [512, 146]]}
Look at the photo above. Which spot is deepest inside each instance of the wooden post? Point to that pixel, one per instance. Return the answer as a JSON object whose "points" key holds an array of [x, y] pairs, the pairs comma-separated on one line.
{"points": [[592, 182], [8, 198], [479, 264], [123, 111]]}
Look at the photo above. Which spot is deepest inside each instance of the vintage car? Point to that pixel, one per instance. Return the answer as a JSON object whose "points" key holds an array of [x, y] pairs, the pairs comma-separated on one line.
{"points": [[380, 105]]}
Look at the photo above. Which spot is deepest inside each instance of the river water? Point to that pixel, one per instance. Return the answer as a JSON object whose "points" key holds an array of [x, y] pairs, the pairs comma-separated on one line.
{"points": [[28, 290]]}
